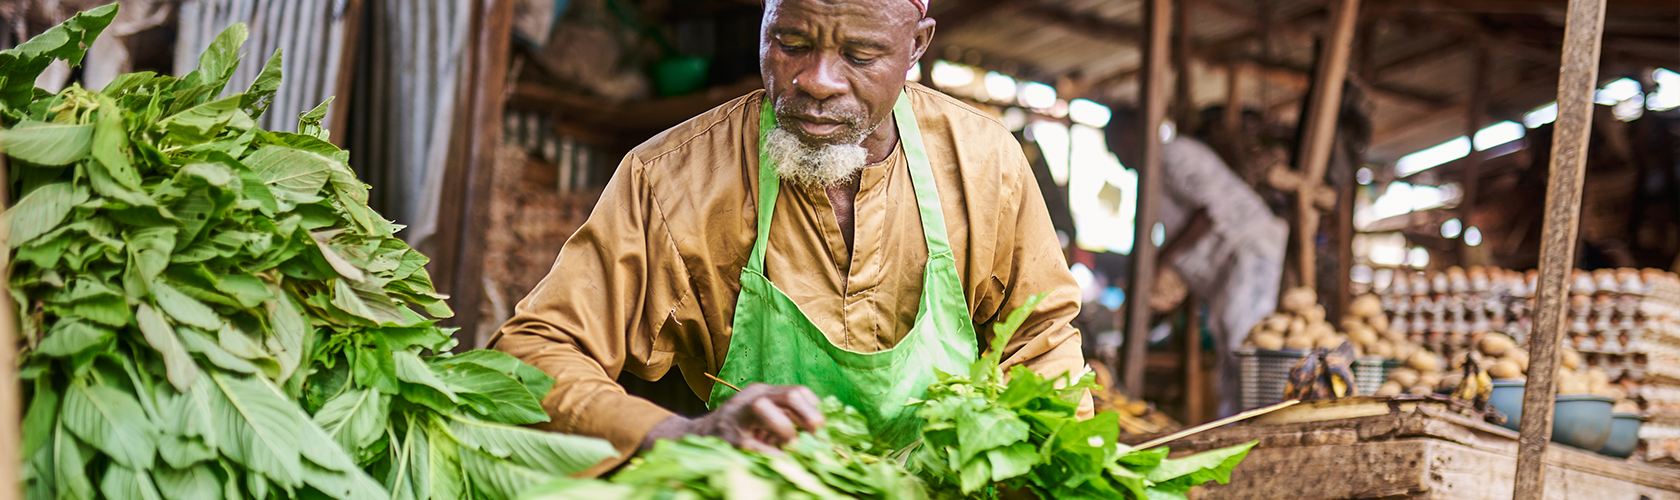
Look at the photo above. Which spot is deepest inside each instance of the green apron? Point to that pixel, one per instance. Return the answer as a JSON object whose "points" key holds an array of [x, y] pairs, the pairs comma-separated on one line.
{"points": [[773, 342]]}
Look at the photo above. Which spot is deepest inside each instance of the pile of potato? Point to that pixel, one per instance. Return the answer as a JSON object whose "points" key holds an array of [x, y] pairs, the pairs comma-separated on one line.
{"points": [[1300, 326], [1423, 372]]}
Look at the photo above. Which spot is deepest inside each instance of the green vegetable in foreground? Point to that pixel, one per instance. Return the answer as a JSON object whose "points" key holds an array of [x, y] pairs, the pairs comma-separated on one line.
{"points": [[211, 310], [984, 434]]}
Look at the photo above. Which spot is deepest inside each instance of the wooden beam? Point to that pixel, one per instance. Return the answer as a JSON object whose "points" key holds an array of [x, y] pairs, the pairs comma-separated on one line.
{"points": [[1319, 131], [1430, 53], [1576, 83], [1233, 100], [1386, 133], [1184, 102], [491, 35], [1157, 15], [350, 38], [1193, 411], [1475, 118]]}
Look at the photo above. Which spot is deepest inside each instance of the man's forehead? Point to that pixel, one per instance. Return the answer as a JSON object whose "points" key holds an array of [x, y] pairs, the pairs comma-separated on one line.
{"points": [[891, 9]]}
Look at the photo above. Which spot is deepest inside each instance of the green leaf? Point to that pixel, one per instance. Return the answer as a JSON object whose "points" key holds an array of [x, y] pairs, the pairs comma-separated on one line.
{"points": [[205, 121], [180, 451], [218, 61], [193, 483], [514, 404], [70, 466], [355, 419], [552, 453], [975, 474], [40, 420], [45, 143], [149, 248], [111, 421], [1001, 332], [181, 369], [21, 65], [1012, 461], [250, 291], [110, 149], [256, 427], [294, 176], [203, 344], [184, 309], [536, 382], [309, 122], [982, 431], [289, 331], [121, 483], [256, 99], [40, 211], [1214, 465], [499, 478], [72, 336]]}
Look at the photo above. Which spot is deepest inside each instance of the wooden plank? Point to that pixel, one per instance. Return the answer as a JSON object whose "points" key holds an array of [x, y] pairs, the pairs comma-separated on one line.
{"points": [[1475, 118], [488, 79], [349, 39], [1193, 411], [11, 396], [1153, 100], [1184, 98], [1576, 83], [1319, 127]]}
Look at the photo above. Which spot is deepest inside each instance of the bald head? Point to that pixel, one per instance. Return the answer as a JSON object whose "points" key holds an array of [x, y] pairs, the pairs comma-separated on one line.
{"points": [[834, 67]]}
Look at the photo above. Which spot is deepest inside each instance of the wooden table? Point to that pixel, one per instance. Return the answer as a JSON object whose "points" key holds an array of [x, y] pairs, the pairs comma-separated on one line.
{"points": [[1369, 447]]}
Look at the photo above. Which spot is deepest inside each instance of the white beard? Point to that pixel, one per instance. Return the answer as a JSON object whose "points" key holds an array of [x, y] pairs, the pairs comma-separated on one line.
{"points": [[822, 166]]}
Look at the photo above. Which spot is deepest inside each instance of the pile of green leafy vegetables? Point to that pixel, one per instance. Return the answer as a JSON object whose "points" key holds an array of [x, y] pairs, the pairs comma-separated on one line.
{"points": [[985, 435], [211, 310]]}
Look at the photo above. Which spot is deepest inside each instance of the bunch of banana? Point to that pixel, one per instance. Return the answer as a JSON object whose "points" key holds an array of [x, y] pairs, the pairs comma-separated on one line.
{"points": [[1323, 374]]}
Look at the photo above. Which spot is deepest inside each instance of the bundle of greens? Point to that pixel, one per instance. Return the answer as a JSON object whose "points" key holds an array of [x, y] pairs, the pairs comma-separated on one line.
{"points": [[211, 310], [829, 464], [986, 433]]}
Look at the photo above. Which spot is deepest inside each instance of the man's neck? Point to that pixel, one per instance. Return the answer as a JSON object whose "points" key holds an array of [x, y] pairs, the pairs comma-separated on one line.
{"points": [[880, 144]]}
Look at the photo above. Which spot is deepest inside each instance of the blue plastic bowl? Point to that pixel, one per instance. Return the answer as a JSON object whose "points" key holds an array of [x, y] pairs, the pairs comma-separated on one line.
{"points": [[1508, 398], [1582, 421], [1624, 435]]}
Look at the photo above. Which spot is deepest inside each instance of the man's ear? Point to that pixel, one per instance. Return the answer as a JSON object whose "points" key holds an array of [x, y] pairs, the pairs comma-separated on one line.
{"points": [[924, 38]]}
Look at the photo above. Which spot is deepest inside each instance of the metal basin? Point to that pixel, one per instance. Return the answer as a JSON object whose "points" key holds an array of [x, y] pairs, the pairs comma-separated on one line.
{"points": [[1582, 421], [1624, 435], [1508, 398]]}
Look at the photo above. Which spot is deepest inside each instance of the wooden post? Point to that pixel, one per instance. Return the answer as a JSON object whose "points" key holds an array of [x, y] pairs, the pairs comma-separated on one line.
{"points": [[1184, 102], [1192, 360], [11, 396], [490, 41], [1576, 82], [1319, 125], [1153, 100], [1474, 120], [1233, 102]]}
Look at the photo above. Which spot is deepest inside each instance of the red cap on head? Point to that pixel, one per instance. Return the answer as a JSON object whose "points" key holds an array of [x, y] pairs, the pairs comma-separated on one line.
{"points": [[921, 6]]}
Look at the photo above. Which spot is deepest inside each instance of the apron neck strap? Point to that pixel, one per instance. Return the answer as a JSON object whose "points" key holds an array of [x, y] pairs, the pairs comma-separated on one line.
{"points": [[921, 178]]}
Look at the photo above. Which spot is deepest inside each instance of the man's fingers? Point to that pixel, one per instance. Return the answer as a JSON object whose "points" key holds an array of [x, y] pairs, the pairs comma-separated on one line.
{"points": [[773, 418], [803, 405]]}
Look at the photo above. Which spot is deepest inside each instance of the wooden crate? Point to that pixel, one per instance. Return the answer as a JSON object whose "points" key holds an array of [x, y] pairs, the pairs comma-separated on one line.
{"points": [[1412, 448]]}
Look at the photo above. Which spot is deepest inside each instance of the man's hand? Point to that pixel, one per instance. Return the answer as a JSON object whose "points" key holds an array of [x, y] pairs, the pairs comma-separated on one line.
{"points": [[760, 418]]}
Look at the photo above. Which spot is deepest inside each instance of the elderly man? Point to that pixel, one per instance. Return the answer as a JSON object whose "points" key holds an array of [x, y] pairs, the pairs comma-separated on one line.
{"points": [[842, 233]]}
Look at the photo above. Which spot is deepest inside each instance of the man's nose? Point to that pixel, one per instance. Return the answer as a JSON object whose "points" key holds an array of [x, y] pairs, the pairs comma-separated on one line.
{"points": [[822, 80]]}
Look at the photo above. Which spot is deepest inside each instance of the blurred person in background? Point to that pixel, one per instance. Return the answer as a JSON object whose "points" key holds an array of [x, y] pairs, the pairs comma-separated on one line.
{"points": [[1222, 241]]}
